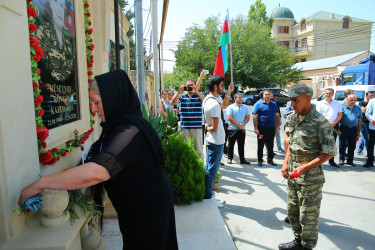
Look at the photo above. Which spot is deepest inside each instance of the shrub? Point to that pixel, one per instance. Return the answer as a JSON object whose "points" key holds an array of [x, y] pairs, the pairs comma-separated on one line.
{"points": [[184, 169]]}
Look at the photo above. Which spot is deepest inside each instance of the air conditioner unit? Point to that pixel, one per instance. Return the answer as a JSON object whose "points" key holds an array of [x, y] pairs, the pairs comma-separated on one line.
{"points": [[326, 77]]}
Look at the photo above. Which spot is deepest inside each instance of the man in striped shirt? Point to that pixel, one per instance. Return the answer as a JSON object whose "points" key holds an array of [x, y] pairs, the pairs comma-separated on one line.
{"points": [[191, 113]]}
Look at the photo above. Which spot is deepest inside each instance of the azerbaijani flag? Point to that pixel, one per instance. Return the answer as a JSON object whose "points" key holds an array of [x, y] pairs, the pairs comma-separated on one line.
{"points": [[221, 65]]}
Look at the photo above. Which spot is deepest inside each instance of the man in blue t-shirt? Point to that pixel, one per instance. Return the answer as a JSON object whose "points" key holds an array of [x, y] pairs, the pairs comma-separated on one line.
{"points": [[266, 118], [191, 112], [350, 127]]}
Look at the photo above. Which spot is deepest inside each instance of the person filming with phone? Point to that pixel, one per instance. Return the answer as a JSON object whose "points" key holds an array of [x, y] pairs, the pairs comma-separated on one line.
{"points": [[191, 111]]}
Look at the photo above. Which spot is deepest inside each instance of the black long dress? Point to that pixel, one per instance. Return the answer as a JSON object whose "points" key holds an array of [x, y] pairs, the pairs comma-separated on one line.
{"points": [[131, 152]]}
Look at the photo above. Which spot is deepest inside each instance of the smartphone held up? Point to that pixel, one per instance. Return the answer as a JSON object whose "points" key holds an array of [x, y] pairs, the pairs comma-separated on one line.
{"points": [[188, 88]]}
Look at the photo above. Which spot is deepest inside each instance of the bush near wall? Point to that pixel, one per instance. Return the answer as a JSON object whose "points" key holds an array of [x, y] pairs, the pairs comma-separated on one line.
{"points": [[184, 169]]}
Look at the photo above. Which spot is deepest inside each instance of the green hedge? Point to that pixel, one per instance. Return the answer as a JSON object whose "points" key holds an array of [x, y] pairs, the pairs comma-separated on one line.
{"points": [[184, 169]]}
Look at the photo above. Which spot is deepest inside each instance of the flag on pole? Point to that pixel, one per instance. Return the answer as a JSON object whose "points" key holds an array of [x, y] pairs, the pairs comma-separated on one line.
{"points": [[221, 65]]}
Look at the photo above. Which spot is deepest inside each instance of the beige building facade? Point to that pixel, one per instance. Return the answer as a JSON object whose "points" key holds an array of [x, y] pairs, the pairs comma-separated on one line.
{"points": [[320, 35], [49, 228], [323, 73]]}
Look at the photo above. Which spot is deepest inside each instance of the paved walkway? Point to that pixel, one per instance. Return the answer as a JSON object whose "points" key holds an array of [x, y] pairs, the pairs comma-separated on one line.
{"points": [[255, 208], [199, 226]]}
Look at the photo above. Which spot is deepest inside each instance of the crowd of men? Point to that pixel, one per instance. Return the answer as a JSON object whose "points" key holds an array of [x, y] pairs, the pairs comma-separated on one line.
{"points": [[311, 131]]}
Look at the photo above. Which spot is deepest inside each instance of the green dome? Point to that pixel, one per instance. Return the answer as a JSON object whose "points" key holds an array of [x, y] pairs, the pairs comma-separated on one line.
{"points": [[282, 12]]}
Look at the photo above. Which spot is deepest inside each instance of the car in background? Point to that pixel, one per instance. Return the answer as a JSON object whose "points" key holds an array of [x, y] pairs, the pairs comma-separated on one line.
{"points": [[359, 90], [280, 96], [251, 97]]}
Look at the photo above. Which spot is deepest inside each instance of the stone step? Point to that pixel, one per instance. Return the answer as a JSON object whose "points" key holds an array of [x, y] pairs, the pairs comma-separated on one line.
{"points": [[199, 226]]}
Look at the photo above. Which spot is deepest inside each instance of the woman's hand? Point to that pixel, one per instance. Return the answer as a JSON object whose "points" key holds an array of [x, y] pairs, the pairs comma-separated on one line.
{"points": [[29, 191]]}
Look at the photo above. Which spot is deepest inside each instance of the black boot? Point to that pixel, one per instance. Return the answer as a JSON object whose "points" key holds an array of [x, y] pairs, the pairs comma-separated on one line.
{"points": [[295, 244]]}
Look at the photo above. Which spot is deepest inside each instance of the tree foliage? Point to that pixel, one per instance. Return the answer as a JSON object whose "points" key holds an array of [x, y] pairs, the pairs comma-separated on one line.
{"points": [[257, 60], [129, 15], [258, 14]]}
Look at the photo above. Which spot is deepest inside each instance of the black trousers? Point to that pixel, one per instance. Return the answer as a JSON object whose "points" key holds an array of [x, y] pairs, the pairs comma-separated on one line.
{"points": [[239, 136], [370, 146], [267, 139], [226, 138], [347, 140]]}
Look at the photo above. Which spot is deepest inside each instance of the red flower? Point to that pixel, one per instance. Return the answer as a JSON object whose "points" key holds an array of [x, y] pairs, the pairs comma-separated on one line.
{"points": [[31, 12], [86, 5], [260, 136], [39, 51], [356, 139], [65, 153], [36, 103], [89, 80], [32, 27], [88, 14], [294, 175], [41, 112], [44, 144], [34, 42], [55, 150], [39, 99], [38, 72], [43, 134], [373, 122], [37, 57], [92, 46], [53, 161], [30, 1], [90, 23], [90, 73], [45, 158], [90, 65], [65, 169], [92, 57], [90, 31], [35, 85], [243, 131]]}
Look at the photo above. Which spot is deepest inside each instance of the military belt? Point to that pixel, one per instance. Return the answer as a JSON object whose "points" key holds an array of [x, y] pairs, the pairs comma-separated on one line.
{"points": [[302, 158]]}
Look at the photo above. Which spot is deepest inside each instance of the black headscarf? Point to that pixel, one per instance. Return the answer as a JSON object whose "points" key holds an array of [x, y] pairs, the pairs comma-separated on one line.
{"points": [[122, 107]]}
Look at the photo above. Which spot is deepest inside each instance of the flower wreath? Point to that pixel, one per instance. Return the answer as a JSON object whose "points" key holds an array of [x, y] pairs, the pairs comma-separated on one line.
{"points": [[51, 156]]}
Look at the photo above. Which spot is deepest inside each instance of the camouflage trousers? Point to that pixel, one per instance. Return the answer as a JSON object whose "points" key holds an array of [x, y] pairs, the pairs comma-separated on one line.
{"points": [[303, 211]]}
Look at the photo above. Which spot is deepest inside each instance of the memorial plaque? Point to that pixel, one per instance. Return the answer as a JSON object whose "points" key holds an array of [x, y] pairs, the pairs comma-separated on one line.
{"points": [[59, 82]]}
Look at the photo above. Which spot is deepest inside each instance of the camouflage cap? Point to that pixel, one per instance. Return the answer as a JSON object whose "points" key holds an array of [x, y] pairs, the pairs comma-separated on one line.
{"points": [[300, 89]]}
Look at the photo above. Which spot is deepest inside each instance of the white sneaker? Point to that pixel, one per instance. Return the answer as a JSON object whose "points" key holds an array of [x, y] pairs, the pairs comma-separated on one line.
{"points": [[218, 204], [217, 198]]}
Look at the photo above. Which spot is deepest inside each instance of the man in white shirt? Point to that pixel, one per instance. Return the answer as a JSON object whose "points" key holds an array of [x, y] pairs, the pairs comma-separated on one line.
{"points": [[215, 136], [332, 111]]}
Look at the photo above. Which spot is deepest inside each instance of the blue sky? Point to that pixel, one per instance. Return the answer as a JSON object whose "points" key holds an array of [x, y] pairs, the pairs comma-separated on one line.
{"points": [[183, 14]]}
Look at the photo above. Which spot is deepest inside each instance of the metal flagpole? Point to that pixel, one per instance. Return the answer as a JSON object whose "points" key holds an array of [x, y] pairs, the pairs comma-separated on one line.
{"points": [[230, 48]]}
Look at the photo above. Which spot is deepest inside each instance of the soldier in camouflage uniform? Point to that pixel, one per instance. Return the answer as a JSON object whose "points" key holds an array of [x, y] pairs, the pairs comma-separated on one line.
{"points": [[309, 143]]}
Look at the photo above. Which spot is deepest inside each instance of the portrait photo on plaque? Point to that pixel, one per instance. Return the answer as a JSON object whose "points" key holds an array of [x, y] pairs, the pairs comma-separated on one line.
{"points": [[59, 81]]}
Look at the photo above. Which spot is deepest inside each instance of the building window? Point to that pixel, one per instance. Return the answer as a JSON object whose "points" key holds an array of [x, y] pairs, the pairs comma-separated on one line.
{"points": [[304, 42], [303, 60], [345, 23], [283, 29], [283, 43], [303, 24], [296, 44]]}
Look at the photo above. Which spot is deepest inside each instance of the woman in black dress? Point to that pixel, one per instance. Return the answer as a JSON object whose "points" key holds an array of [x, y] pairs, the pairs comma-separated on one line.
{"points": [[128, 157]]}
